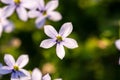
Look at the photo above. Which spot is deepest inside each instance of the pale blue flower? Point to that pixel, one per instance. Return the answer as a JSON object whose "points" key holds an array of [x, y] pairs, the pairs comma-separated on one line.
{"points": [[45, 11], [60, 39], [19, 6], [5, 25], [16, 68]]}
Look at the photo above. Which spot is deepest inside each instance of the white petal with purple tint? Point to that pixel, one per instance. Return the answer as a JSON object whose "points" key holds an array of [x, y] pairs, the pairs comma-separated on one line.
{"points": [[60, 51], [47, 43], [66, 29], [22, 61], [9, 60]]}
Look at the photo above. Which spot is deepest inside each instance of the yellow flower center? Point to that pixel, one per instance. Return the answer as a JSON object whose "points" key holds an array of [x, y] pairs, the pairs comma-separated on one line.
{"points": [[17, 1], [59, 38], [16, 68]]}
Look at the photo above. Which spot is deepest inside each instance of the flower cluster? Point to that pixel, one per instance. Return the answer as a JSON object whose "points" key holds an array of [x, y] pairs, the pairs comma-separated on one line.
{"points": [[17, 71], [26, 9]]}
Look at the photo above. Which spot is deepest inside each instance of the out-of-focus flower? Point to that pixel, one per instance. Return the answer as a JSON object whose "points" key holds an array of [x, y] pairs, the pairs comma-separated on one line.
{"points": [[5, 24], [45, 11], [37, 75], [117, 44], [48, 68], [15, 42], [15, 67], [59, 38], [19, 6]]}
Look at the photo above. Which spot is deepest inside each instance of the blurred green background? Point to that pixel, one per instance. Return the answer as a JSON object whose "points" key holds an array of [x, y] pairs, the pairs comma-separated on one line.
{"points": [[96, 27]]}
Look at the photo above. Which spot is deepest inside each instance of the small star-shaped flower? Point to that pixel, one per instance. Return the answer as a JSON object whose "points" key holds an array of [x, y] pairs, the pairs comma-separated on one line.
{"points": [[45, 11], [60, 39], [16, 68]]}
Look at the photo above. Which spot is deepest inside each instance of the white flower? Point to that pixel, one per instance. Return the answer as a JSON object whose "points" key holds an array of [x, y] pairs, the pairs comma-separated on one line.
{"points": [[45, 11], [37, 75], [117, 44], [5, 24], [60, 39], [19, 6], [15, 67]]}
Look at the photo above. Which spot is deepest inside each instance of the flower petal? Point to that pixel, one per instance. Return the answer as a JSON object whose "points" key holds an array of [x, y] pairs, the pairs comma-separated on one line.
{"points": [[9, 60], [66, 29], [1, 13], [8, 26], [14, 76], [8, 10], [117, 44], [40, 21], [22, 13], [60, 51], [46, 77], [7, 1], [51, 5], [33, 14], [55, 16], [70, 43], [29, 4], [36, 74], [5, 70], [50, 31], [24, 73], [47, 43], [25, 78], [41, 4], [22, 61]]}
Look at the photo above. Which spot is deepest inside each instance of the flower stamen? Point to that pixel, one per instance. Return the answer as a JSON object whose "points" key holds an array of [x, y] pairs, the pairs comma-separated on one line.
{"points": [[59, 38], [17, 2], [16, 68], [43, 12]]}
